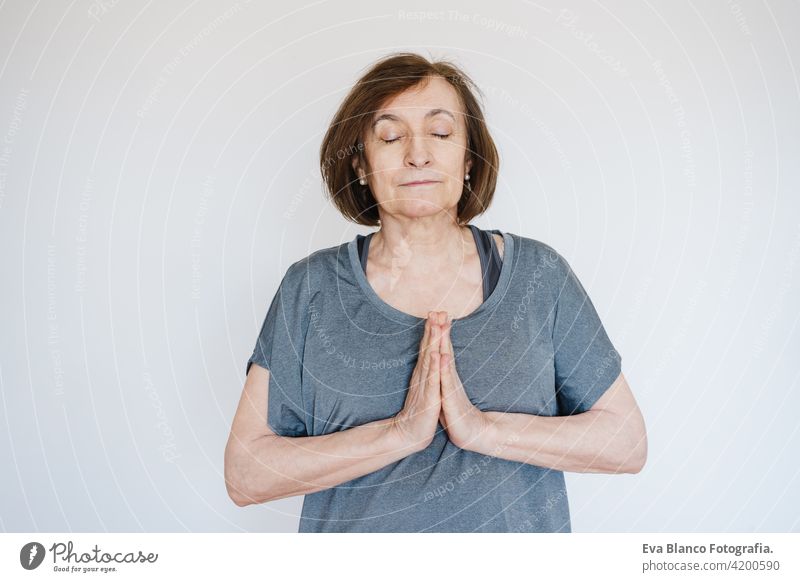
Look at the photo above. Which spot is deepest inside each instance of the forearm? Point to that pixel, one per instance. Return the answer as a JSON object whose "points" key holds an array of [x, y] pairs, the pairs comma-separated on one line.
{"points": [[594, 441], [273, 467]]}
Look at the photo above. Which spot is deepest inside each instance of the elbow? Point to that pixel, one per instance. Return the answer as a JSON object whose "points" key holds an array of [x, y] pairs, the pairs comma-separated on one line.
{"points": [[239, 501], [235, 483], [626, 452], [234, 487], [636, 443], [240, 494], [246, 481], [237, 496], [637, 453]]}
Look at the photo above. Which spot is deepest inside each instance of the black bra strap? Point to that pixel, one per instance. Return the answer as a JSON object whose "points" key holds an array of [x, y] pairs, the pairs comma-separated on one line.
{"points": [[363, 248], [490, 259]]}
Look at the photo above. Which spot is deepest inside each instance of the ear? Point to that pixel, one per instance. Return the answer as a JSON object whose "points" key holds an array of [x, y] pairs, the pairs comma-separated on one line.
{"points": [[468, 165], [360, 173]]}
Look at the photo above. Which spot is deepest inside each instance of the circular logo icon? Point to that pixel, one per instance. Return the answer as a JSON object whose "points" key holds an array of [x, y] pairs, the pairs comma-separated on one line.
{"points": [[31, 555]]}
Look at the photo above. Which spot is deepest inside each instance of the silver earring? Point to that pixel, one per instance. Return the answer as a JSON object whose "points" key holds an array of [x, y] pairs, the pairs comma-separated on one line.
{"points": [[466, 177], [363, 182]]}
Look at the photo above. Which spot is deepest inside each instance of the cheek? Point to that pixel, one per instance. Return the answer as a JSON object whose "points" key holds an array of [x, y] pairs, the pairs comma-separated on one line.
{"points": [[384, 163], [451, 160]]}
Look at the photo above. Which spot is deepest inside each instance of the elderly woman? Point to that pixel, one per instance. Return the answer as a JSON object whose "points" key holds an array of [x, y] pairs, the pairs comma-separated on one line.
{"points": [[430, 376]]}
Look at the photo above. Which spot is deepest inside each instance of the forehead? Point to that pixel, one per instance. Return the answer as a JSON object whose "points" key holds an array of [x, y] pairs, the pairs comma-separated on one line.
{"points": [[415, 102]]}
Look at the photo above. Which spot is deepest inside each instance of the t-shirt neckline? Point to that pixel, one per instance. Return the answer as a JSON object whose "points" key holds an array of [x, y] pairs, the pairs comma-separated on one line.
{"points": [[401, 316]]}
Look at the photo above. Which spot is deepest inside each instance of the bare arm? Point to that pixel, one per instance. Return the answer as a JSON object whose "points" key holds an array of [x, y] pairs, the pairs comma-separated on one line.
{"points": [[608, 438], [262, 466]]}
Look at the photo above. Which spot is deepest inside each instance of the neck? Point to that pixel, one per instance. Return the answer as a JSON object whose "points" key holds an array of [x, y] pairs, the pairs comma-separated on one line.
{"points": [[428, 243]]}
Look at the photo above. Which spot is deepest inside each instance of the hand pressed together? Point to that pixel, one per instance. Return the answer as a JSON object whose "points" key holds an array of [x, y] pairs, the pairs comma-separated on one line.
{"points": [[436, 392], [464, 422], [416, 422]]}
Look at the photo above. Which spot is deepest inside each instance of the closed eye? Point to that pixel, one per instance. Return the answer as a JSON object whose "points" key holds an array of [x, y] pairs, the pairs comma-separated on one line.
{"points": [[437, 135]]}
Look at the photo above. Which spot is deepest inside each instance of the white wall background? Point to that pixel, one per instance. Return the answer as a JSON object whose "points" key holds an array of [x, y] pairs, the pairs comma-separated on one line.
{"points": [[158, 173]]}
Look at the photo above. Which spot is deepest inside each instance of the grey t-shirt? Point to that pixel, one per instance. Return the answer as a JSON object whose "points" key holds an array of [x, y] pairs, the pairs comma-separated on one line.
{"points": [[339, 356]]}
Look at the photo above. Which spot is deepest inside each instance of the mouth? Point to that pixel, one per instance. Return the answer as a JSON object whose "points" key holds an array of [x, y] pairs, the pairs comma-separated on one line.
{"points": [[421, 183]]}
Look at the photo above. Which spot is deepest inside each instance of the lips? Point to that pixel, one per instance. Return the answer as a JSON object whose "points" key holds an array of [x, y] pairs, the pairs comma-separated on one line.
{"points": [[420, 183]]}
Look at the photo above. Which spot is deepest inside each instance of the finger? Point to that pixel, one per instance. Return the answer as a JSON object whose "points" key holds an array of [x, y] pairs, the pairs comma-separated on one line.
{"points": [[436, 337], [420, 373], [431, 354], [445, 376], [421, 370], [448, 379], [426, 339], [446, 346], [433, 374], [425, 343], [432, 383]]}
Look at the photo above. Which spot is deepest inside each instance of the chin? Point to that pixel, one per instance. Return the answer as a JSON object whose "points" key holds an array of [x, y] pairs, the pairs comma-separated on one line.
{"points": [[420, 207]]}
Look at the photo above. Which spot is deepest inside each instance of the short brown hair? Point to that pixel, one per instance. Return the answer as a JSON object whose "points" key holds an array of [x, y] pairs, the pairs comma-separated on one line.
{"points": [[388, 77]]}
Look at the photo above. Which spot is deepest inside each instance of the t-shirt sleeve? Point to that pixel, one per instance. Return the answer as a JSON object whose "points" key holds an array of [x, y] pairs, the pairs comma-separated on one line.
{"points": [[586, 363], [279, 349]]}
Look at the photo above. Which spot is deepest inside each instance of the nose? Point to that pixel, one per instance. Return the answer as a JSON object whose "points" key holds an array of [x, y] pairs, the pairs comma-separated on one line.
{"points": [[418, 154]]}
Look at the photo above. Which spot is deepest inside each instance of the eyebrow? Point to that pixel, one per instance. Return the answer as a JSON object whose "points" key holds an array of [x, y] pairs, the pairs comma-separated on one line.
{"points": [[392, 117]]}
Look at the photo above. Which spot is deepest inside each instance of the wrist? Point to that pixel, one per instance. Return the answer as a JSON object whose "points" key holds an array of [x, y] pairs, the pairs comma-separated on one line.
{"points": [[396, 439], [487, 435]]}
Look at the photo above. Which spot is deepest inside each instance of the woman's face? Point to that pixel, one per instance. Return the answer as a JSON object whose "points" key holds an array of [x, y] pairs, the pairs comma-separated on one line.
{"points": [[415, 152]]}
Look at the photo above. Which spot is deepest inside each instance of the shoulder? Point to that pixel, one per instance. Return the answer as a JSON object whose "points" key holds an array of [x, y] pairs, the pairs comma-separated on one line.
{"points": [[533, 253], [308, 274], [541, 265]]}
